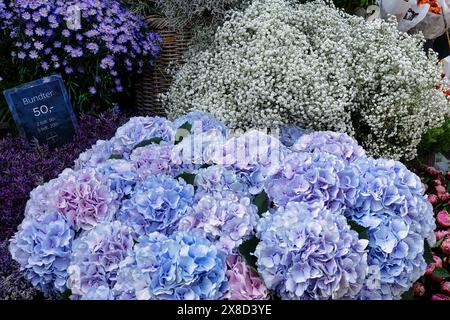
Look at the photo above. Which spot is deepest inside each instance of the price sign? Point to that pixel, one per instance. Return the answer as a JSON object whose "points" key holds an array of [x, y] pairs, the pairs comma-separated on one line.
{"points": [[42, 111]]}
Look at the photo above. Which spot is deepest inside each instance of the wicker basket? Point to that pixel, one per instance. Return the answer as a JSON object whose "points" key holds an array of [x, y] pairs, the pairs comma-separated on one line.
{"points": [[155, 79]]}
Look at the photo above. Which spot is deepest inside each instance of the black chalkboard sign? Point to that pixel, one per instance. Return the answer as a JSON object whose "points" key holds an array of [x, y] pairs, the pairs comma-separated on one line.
{"points": [[42, 111]]}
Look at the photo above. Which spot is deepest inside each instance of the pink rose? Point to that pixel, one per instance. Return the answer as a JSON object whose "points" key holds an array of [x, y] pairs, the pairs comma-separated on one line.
{"points": [[445, 246], [432, 171], [419, 289], [440, 189], [432, 198], [244, 282], [440, 296], [443, 218], [437, 182], [445, 287], [441, 234]]}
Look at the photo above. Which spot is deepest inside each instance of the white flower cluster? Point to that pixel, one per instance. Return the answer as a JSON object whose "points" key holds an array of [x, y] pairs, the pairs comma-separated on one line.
{"points": [[315, 66]]}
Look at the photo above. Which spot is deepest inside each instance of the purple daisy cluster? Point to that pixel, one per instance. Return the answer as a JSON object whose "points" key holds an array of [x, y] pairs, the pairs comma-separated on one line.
{"points": [[94, 44], [181, 210]]}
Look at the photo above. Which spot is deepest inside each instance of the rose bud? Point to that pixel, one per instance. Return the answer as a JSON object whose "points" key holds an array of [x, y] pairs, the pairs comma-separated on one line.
{"points": [[432, 171], [419, 289], [440, 189], [441, 234], [445, 246], [443, 218], [439, 296], [445, 287], [437, 182], [432, 198]]}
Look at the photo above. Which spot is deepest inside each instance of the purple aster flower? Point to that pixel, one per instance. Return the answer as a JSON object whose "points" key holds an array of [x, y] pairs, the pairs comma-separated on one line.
{"points": [[45, 66], [39, 31], [39, 45], [93, 47], [21, 55], [66, 33], [92, 90], [33, 54]]}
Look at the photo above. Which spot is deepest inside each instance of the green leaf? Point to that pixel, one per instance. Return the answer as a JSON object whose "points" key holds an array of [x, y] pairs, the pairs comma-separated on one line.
{"points": [[261, 201], [408, 295], [441, 272], [188, 177], [115, 156], [437, 244], [145, 143], [181, 132], [66, 294], [362, 232], [247, 249], [427, 254]]}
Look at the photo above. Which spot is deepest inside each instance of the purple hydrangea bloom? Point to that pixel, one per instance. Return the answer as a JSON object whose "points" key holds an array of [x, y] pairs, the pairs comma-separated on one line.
{"points": [[217, 179], [254, 155], [180, 267], [244, 282], [201, 122], [121, 177], [392, 206], [153, 159], [289, 134], [157, 204], [42, 246], [140, 129], [308, 252], [96, 256], [311, 177], [339, 144], [225, 219], [96, 155]]}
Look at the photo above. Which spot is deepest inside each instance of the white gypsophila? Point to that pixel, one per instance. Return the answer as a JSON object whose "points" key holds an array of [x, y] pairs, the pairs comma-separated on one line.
{"points": [[317, 67]]}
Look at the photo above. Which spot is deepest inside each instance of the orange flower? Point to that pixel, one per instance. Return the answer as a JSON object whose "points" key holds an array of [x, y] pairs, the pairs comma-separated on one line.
{"points": [[434, 7]]}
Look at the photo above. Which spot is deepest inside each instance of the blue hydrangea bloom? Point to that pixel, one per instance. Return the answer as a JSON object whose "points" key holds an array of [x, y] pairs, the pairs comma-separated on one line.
{"points": [[180, 267], [224, 218], [308, 252], [201, 122], [157, 204], [121, 177], [99, 293], [254, 155], [311, 177], [339, 144], [140, 129], [217, 179], [96, 155], [289, 134], [96, 256], [392, 206], [42, 247]]}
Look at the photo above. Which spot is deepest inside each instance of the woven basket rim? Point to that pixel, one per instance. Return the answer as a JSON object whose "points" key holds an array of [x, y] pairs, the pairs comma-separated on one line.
{"points": [[161, 23]]}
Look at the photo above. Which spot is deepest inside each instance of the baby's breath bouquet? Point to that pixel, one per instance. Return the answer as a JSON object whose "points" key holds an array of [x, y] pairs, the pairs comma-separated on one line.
{"points": [[312, 65]]}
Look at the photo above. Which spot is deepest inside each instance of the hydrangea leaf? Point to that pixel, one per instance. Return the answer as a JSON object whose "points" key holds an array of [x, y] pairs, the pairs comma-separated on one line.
{"points": [[261, 201], [362, 231], [427, 254], [408, 295], [247, 249], [437, 245], [180, 133], [115, 157], [188, 177], [145, 143]]}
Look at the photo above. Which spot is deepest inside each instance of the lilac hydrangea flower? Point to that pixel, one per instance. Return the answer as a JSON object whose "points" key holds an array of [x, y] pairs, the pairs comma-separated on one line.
{"points": [[254, 155], [121, 177], [339, 144], [308, 252], [83, 198], [153, 159], [311, 177], [218, 179], [201, 122], [244, 282], [96, 256], [225, 219], [42, 246], [98, 154], [140, 129], [157, 204], [392, 206], [180, 267]]}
